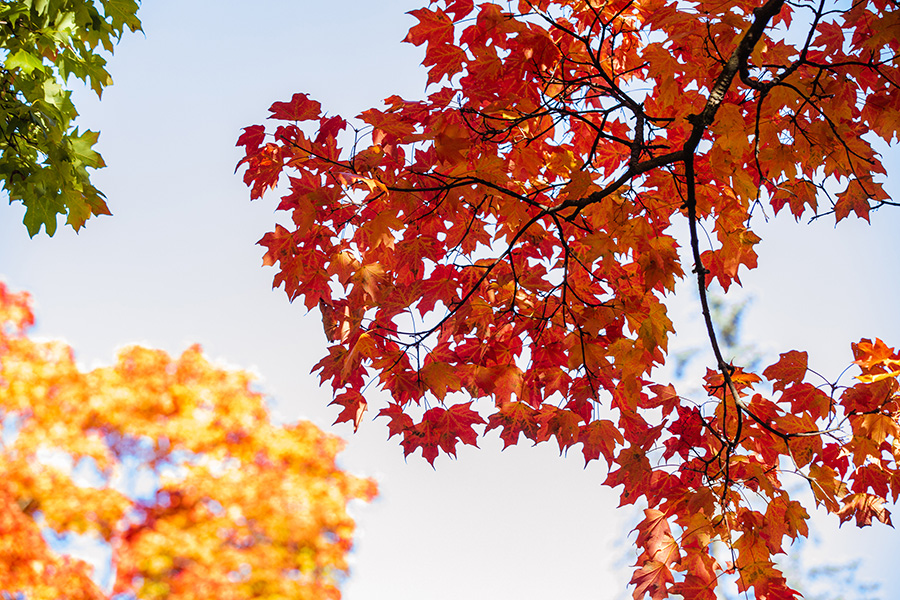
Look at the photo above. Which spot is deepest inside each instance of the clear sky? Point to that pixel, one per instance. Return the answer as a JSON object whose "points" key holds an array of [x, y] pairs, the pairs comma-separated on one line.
{"points": [[178, 264]]}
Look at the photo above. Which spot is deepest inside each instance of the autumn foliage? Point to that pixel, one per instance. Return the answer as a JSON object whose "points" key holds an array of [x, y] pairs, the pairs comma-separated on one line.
{"points": [[172, 462], [512, 237]]}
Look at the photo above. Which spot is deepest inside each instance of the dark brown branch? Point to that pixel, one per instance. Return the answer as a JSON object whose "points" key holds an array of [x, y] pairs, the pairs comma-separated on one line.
{"points": [[738, 59]]}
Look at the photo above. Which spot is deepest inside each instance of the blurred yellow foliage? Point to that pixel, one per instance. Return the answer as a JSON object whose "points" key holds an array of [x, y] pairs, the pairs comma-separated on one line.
{"points": [[240, 508]]}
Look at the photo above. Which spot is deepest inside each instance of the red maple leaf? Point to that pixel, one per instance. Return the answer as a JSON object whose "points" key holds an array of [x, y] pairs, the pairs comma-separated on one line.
{"points": [[514, 418], [864, 507], [599, 437], [790, 368], [252, 137], [300, 108], [434, 27]]}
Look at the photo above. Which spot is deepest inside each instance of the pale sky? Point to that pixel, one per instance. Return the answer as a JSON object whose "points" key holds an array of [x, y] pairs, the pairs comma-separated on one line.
{"points": [[178, 264]]}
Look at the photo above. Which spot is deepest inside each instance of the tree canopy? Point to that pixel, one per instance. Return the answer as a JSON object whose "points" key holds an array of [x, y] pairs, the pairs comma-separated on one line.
{"points": [[44, 158], [514, 237], [175, 464]]}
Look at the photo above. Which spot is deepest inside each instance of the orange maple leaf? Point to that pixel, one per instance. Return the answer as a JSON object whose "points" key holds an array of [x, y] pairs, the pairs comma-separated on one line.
{"points": [[864, 507]]}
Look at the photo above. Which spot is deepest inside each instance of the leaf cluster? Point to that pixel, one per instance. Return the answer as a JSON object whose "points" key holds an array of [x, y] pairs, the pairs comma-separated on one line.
{"points": [[44, 159], [237, 506], [512, 237]]}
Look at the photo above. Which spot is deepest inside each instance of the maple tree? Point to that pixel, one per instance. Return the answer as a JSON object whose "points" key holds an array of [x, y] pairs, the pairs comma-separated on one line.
{"points": [[512, 237], [44, 159], [238, 507]]}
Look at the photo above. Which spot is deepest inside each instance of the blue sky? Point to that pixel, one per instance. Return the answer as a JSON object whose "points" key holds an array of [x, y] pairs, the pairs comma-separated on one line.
{"points": [[178, 264]]}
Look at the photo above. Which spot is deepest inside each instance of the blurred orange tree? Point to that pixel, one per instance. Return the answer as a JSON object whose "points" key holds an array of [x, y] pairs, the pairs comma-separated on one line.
{"points": [[172, 462]]}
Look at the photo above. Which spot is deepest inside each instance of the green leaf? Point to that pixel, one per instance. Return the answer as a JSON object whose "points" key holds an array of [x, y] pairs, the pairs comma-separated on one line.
{"points": [[39, 6], [25, 61], [123, 13], [83, 151], [79, 210], [42, 211]]}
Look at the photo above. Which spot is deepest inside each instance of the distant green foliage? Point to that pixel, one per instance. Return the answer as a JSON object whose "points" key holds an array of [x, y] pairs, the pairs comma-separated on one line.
{"points": [[44, 159]]}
